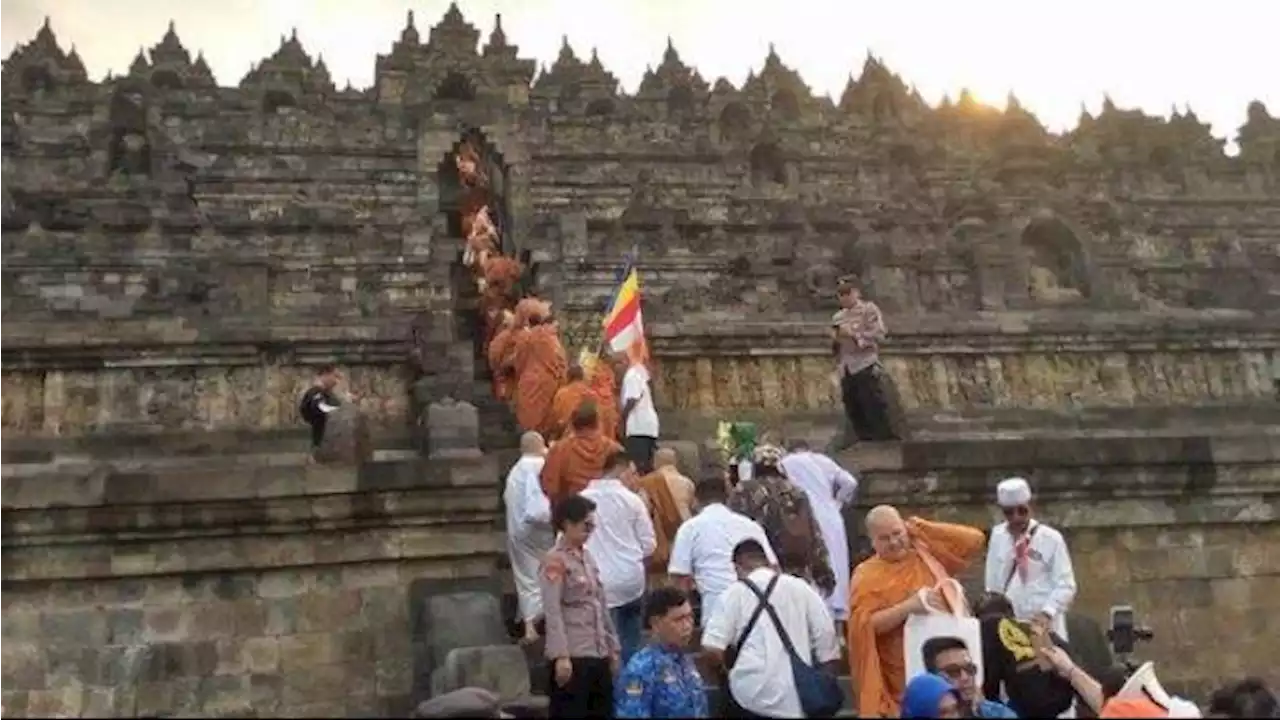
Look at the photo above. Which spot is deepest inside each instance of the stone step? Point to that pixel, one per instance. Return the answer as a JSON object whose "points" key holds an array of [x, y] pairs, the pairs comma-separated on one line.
{"points": [[190, 446], [86, 483]]}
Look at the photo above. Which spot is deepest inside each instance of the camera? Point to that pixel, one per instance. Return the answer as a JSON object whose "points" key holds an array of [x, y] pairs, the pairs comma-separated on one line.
{"points": [[1124, 633]]}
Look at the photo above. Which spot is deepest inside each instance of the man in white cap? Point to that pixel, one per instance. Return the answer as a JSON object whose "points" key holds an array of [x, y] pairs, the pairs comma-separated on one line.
{"points": [[1028, 561]]}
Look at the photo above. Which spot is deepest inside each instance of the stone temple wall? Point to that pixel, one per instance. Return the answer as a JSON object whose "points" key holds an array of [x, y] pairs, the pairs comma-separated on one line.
{"points": [[178, 255], [247, 589]]}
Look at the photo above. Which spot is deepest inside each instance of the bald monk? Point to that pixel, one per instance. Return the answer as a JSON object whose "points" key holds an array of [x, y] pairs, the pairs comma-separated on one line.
{"points": [[568, 399], [604, 387], [499, 355], [669, 497], [884, 592], [539, 363], [578, 458]]}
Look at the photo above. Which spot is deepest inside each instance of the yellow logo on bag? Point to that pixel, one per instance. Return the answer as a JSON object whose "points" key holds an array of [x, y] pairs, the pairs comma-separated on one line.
{"points": [[1016, 640]]}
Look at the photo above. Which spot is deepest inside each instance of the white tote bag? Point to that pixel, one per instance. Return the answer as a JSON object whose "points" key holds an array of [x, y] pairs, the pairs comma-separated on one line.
{"points": [[939, 623]]}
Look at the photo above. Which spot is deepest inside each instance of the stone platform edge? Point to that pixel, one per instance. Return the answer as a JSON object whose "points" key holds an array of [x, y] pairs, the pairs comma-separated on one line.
{"points": [[101, 523]]}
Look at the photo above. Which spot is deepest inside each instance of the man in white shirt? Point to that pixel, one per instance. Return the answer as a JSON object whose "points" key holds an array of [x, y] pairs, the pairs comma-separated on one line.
{"points": [[1028, 561], [639, 418], [829, 488], [761, 681], [702, 552], [623, 538], [529, 535]]}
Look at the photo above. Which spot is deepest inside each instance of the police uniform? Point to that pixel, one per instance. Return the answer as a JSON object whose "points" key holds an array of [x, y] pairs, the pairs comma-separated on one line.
{"points": [[660, 682]]}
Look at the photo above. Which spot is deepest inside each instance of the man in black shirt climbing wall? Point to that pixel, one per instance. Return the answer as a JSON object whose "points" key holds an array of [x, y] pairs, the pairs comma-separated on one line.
{"points": [[318, 401]]}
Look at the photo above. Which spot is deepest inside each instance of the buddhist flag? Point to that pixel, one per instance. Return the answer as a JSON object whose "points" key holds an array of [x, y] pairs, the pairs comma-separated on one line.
{"points": [[622, 323]]}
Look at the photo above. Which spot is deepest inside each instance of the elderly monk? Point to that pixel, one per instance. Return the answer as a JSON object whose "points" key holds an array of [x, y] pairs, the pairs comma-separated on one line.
{"points": [[669, 497], [578, 458], [499, 355], [884, 592], [604, 387], [539, 363], [568, 399]]}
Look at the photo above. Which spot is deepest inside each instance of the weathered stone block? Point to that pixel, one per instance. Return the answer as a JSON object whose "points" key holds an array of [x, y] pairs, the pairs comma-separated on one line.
{"points": [[501, 669], [453, 429]]}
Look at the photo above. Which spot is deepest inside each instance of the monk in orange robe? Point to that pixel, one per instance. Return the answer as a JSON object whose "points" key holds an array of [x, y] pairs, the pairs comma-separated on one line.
{"points": [[604, 388], [499, 355], [578, 458], [540, 365], [568, 399], [885, 591]]}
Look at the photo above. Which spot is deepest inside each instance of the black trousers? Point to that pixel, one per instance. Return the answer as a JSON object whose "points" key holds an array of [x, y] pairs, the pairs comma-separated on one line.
{"points": [[588, 694], [866, 404], [317, 431], [641, 450]]}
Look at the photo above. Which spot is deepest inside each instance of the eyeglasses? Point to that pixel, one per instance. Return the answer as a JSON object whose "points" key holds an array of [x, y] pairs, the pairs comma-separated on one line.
{"points": [[1020, 511], [954, 672]]}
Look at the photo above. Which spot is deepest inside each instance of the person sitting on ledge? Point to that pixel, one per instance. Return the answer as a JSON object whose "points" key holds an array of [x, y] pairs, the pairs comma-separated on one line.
{"points": [[578, 458]]}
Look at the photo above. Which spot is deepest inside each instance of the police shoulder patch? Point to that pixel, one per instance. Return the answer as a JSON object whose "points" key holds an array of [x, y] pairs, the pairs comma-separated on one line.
{"points": [[553, 568]]}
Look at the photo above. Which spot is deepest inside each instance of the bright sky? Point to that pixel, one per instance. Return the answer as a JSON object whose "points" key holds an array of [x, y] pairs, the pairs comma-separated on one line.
{"points": [[1054, 54]]}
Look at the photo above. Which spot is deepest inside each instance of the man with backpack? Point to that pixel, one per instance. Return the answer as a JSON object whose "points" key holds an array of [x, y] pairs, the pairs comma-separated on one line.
{"points": [[789, 522], [773, 633]]}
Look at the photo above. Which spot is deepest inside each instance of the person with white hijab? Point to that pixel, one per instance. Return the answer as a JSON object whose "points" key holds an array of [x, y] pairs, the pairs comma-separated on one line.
{"points": [[1028, 561], [529, 534], [829, 488]]}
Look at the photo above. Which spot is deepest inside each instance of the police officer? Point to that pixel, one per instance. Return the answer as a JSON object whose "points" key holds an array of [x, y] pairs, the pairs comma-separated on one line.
{"points": [[660, 681]]}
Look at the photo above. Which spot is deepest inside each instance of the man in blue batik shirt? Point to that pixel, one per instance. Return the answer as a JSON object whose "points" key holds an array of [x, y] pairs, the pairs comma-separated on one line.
{"points": [[660, 681]]}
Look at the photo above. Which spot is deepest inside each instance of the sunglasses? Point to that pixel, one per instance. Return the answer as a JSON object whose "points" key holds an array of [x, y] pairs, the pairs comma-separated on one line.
{"points": [[954, 672], [1020, 511]]}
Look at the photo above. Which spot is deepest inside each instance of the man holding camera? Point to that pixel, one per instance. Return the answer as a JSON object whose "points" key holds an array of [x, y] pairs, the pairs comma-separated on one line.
{"points": [[1028, 561]]}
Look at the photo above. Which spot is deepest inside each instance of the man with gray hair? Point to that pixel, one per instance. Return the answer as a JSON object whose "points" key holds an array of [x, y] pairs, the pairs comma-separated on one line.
{"points": [[529, 535]]}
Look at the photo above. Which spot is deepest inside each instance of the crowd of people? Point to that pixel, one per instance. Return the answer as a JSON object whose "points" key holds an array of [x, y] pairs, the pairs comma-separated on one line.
{"points": [[640, 581], [753, 592]]}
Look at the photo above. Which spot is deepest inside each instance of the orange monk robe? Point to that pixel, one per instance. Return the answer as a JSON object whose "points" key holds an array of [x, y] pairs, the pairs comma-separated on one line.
{"points": [[566, 402], [540, 367], [574, 461], [877, 665], [604, 388], [499, 356]]}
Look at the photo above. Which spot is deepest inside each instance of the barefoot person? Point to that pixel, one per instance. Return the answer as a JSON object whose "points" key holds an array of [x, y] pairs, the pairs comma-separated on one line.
{"points": [[910, 556], [539, 362], [577, 459], [529, 535], [567, 400]]}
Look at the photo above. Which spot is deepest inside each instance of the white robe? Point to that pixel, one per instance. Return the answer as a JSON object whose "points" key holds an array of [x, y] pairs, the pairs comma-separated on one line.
{"points": [[529, 534], [829, 487], [1051, 581]]}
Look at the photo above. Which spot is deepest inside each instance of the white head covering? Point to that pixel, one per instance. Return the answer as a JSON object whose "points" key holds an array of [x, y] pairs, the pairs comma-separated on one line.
{"points": [[1013, 492]]}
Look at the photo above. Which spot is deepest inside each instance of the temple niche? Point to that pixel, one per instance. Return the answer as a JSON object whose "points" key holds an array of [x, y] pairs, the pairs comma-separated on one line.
{"points": [[768, 165], [1056, 268], [455, 87], [735, 122], [129, 153]]}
